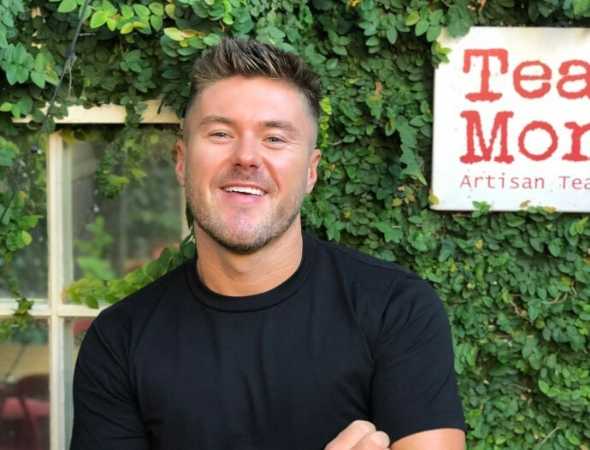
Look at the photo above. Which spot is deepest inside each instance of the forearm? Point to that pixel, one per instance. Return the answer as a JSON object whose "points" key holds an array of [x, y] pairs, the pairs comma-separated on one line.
{"points": [[441, 439]]}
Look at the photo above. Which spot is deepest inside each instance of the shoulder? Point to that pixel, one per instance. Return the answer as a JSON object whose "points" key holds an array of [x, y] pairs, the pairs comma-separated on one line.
{"points": [[128, 316], [370, 272], [387, 299], [356, 259]]}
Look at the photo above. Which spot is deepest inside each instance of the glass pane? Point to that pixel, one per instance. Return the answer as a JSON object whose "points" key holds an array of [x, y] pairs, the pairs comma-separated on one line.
{"points": [[75, 332], [22, 186], [113, 236], [24, 390]]}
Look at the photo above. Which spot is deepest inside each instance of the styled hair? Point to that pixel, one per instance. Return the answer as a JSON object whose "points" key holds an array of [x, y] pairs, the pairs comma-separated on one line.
{"points": [[250, 58]]}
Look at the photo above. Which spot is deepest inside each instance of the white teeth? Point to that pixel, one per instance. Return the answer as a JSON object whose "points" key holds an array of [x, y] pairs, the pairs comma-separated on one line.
{"points": [[244, 190]]}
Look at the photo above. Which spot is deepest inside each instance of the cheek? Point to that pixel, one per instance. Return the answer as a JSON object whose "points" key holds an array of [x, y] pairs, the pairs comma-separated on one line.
{"points": [[203, 167], [292, 175]]}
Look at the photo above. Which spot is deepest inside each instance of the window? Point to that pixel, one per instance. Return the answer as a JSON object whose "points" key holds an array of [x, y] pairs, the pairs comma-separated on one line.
{"points": [[82, 234]]}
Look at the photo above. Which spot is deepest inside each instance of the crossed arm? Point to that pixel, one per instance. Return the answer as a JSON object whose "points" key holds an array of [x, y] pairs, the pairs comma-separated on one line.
{"points": [[362, 435]]}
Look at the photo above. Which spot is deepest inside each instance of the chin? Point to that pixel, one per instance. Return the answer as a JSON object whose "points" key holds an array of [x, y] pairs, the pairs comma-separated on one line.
{"points": [[242, 245], [244, 235], [240, 240]]}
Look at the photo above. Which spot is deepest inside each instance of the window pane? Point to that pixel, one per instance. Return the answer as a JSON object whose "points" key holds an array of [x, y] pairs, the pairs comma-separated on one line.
{"points": [[24, 390], [111, 237], [22, 186], [28, 270]]}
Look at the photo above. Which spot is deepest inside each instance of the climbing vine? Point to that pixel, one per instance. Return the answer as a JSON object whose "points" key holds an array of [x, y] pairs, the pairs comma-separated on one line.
{"points": [[516, 285]]}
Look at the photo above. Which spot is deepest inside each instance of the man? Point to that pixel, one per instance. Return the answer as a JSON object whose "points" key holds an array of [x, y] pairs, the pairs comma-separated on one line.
{"points": [[269, 339]]}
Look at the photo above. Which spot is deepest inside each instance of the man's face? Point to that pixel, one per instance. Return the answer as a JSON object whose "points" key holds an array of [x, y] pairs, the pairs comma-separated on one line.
{"points": [[247, 160]]}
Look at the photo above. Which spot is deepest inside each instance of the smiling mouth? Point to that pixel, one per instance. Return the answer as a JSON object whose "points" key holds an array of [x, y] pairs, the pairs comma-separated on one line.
{"points": [[247, 190]]}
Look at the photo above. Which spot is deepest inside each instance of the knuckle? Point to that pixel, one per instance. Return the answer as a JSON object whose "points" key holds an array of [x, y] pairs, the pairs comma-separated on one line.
{"points": [[363, 425], [379, 440]]}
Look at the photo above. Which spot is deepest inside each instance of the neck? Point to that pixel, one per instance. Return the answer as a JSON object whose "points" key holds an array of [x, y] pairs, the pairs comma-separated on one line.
{"points": [[232, 274]]}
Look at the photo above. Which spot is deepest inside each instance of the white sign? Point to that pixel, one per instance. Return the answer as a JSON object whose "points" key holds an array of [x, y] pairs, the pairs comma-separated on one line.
{"points": [[512, 120]]}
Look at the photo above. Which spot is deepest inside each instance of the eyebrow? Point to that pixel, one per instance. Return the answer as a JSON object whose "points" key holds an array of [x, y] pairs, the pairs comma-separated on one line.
{"points": [[280, 124], [215, 119]]}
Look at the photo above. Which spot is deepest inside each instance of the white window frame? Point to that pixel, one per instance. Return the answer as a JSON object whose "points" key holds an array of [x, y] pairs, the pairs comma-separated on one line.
{"points": [[55, 311]]}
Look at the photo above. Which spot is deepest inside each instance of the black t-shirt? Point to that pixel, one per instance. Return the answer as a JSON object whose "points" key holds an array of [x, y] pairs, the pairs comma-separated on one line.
{"points": [[178, 367]]}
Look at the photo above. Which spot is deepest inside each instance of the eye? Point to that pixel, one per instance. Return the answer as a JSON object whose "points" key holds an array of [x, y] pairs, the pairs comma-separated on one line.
{"points": [[219, 135], [275, 140]]}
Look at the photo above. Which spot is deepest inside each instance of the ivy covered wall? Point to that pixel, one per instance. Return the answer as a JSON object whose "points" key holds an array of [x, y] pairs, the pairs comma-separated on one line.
{"points": [[516, 285]]}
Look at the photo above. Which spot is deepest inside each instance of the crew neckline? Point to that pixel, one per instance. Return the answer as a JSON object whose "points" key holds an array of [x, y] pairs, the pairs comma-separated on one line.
{"points": [[254, 302]]}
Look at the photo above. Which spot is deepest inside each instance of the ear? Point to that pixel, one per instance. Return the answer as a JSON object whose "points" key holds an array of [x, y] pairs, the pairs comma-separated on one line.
{"points": [[312, 170], [180, 149]]}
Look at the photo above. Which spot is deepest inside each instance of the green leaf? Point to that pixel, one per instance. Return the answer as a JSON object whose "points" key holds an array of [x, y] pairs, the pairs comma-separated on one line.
{"points": [[156, 22], [112, 23], [26, 238], [153, 269], [412, 18], [544, 387], [21, 73], [412, 164], [174, 33], [108, 8], [577, 227], [391, 35], [38, 78], [67, 6], [421, 27], [157, 8], [7, 155], [447, 250], [433, 33], [126, 11], [339, 50], [436, 16], [459, 19], [581, 7], [24, 106], [390, 233], [98, 19], [170, 10], [127, 28], [555, 247], [373, 41], [212, 39], [11, 74], [141, 10]]}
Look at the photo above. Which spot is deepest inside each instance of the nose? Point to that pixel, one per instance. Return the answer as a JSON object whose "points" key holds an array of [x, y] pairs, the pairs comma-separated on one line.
{"points": [[246, 152]]}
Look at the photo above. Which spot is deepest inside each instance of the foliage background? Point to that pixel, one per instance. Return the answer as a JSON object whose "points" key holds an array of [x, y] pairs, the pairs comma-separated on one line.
{"points": [[516, 285]]}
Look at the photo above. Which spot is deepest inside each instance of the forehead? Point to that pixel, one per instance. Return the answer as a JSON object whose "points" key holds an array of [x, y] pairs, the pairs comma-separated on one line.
{"points": [[253, 100]]}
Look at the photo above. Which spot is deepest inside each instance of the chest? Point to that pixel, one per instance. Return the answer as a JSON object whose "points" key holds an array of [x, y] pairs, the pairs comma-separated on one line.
{"points": [[254, 378]]}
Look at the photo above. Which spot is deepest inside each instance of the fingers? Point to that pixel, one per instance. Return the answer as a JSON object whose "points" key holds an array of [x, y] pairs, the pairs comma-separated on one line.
{"points": [[373, 441], [359, 435]]}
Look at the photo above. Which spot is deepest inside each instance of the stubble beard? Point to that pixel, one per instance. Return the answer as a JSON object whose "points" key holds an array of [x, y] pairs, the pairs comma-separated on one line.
{"points": [[247, 237]]}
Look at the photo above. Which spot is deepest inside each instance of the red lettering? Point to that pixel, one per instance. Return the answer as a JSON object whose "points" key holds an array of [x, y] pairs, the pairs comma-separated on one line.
{"points": [[538, 125], [474, 127], [577, 133], [564, 69], [484, 93], [518, 77]]}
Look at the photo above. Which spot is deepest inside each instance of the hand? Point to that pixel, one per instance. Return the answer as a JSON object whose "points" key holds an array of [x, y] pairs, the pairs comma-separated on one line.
{"points": [[360, 435]]}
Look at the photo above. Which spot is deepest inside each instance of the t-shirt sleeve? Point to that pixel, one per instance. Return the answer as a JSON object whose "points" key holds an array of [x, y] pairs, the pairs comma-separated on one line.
{"points": [[106, 414], [414, 386]]}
